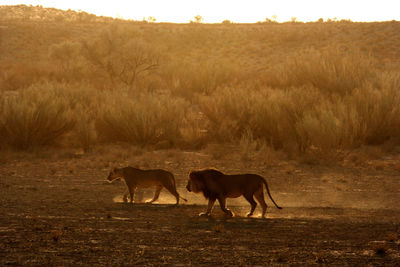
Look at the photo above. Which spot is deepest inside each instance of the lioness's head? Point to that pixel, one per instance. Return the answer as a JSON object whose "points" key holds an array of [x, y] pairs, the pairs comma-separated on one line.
{"points": [[195, 182], [115, 174]]}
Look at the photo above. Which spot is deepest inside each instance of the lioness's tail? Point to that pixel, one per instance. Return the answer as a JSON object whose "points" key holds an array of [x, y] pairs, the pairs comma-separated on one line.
{"points": [[269, 194], [173, 180]]}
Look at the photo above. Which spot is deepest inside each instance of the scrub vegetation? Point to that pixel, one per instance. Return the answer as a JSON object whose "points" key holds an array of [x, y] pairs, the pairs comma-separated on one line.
{"points": [[73, 79]]}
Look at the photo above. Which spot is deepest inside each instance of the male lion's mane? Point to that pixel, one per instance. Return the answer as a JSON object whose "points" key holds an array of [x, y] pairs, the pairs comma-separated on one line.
{"points": [[205, 177]]}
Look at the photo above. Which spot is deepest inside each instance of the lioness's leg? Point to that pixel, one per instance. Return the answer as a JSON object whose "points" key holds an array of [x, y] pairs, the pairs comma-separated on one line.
{"points": [[138, 198], [222, 204], [131, 193], [156, 194], [253, 204], [259, 194], [211, 202], [125, 197], [173, 191]]}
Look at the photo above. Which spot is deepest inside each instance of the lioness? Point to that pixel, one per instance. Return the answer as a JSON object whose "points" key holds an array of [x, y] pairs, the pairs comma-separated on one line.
{"points": [[145, 178], [216, 185]]}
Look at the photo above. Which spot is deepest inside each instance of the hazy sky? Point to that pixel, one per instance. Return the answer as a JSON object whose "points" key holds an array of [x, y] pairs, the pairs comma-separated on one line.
{"points": [[233, 10]]}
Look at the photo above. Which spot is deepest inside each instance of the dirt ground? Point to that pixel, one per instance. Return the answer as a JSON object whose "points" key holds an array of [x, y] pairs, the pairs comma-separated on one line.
{"points": [[57, 210]]}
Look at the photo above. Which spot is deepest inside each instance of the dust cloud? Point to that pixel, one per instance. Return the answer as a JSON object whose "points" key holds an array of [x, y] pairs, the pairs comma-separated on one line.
{"points": [[323, 196]]}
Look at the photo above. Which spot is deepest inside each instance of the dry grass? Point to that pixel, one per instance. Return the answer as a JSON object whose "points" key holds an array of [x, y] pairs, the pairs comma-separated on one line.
{"points": [[258, 86], [34, 117], [141, 119], [331, 70]]}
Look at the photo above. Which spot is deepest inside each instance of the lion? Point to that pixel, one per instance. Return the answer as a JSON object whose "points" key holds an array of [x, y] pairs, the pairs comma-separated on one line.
{"points": [[217, 185], [135, 178]]}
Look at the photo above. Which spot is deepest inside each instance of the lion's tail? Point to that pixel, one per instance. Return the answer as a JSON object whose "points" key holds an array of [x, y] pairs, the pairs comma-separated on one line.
{"points": [[184, 199], [269, 194]]}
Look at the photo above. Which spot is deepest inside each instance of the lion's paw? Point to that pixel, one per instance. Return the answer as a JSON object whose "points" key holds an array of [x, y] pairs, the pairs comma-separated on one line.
{"points": [[229, 213]]}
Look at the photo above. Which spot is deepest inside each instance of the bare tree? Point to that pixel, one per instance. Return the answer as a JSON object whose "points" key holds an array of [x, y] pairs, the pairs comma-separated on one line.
{"points": [[197, 19], [122, 56]]}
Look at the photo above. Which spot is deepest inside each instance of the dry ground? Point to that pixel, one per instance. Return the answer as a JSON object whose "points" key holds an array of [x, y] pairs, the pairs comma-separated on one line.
{"points": [[57, 210]]}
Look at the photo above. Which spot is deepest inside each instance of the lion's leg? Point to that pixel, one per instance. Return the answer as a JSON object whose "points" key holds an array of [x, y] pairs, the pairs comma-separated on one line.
{"points": [[253, 204], [222, 204], [156, 194], [260, 198], [210, 206]]}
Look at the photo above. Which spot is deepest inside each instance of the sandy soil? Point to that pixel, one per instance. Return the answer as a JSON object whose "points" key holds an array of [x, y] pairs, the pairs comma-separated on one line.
{"points": [[57, 210]]}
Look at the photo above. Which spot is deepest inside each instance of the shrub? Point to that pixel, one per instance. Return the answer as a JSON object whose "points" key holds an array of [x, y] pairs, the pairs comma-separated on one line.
{"points": [[202, 77], [140, 119], [276, 117], [378, 108], [69, 63], [305, 117], [34, 117], [331, 71], [269, 114], [85, 130], [84, 102], [14, 76], [369, 115], [228, 111]]}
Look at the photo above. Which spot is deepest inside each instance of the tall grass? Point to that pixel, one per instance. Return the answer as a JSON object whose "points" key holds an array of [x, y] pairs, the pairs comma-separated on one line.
{"points": [[250, 85], [305, 117], [140, 119], [369, 115], [268, 114], [46, 112], [295, 118], [332, 70], [34, 117], [188, 78]]}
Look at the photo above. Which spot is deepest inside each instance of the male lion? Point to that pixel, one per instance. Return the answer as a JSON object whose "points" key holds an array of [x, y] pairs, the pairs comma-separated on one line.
{"points": [[145, 178], [216, 185]]}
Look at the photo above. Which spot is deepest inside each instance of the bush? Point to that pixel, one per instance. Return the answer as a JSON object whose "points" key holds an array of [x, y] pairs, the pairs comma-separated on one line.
{"points": [[228, 111], [378, 108], [68, 61], [20, 75], [202, 77], [268, 114], [368, 116], [303, 118], [140, 119], [331, 71], [84, 102], [34, 117]]}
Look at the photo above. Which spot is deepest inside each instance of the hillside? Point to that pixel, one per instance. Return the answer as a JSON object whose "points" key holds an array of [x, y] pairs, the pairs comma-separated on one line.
{"points": [[325, 85], [27, 32]]}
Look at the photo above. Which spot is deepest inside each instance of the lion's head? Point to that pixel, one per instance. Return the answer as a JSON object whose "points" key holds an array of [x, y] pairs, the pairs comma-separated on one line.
{"points": [[195, 182], [202, 181]]}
